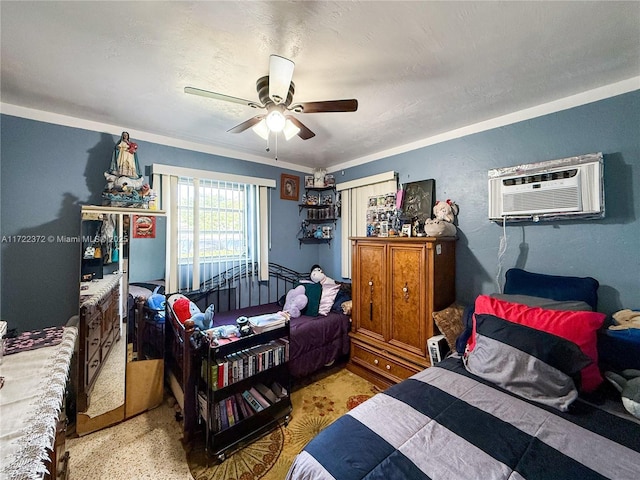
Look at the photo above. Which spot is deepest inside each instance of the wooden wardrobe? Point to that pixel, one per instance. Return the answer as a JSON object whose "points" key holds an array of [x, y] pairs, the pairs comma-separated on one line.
{"points": [[398, 282]]}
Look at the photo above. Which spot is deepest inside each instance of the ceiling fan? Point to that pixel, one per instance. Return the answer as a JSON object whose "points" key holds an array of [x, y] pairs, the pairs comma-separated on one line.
{"points": [[275, 92]]}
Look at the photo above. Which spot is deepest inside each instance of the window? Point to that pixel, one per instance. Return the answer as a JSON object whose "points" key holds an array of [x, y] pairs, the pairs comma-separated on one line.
{"points": [[355, 196], [215, 222], [225, 214]]}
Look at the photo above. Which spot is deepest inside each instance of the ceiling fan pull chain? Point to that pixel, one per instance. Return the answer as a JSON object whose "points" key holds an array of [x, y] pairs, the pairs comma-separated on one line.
{"points": [[276, 136]]}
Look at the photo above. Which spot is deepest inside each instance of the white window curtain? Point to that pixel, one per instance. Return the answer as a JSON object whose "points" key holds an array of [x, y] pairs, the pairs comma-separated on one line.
{"points": [[355, 197], [215, 222]]}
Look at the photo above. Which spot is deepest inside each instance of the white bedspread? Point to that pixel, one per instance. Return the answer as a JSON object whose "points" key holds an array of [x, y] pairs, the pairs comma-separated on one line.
{"points": [[30, 403]]}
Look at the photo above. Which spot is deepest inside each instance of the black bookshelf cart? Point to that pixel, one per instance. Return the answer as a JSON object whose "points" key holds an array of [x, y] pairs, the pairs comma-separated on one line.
{"points": [[230, 375]]}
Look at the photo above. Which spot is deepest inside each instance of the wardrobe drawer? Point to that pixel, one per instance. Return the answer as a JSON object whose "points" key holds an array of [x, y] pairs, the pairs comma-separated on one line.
{"points": [[381, 362]]}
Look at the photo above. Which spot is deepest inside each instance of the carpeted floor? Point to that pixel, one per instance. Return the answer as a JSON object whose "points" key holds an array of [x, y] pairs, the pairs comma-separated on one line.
{"points": [[148, 446]]}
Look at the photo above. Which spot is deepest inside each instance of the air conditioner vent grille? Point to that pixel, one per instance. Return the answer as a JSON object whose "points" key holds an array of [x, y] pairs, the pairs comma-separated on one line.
{"points": [[538, 201]]}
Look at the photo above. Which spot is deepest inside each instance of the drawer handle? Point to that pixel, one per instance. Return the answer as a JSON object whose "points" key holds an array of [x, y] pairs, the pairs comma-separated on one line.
{"points": [[95, 341], [95, 363], [388, 367], [376, 361]]}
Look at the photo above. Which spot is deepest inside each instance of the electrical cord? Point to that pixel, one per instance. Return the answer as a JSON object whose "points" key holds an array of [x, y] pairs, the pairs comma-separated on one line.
{"points": [[502, 249]]}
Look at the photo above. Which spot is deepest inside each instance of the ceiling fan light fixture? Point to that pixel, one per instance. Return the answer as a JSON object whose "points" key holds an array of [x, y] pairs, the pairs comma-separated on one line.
{"points": [[261, 129], [280, 75], [290, 130], [275, 121]]}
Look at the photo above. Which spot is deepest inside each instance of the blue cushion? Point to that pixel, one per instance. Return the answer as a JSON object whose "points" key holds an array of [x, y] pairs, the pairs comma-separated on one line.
{"points": [[618, 349], [521, 282]]}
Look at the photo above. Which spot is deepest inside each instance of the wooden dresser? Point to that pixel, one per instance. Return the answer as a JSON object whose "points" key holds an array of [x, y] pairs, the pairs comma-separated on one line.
{"points": [[99, 330], [397, 284]]}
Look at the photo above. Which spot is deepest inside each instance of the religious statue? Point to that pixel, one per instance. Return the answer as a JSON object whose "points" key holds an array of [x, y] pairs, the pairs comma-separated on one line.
{"points": [[125, 183]]}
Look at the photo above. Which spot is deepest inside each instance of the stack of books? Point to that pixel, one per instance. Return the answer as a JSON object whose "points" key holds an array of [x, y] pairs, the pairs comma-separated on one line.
{"points": [[244, 363], [235, 408]]}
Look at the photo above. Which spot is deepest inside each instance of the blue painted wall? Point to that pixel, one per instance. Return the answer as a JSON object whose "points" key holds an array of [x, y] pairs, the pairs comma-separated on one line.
{"points": [[48, 171], [607, 249]]}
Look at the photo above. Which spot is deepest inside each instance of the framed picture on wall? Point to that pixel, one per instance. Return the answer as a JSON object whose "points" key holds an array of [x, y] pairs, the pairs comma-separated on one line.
{"points": [[308, 181], [144, 226], [289, 187], [418, 200]]}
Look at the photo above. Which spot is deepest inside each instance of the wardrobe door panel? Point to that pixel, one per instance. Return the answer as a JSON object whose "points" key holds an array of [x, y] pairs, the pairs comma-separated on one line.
{"points": [[370, 292], [407, 297]]}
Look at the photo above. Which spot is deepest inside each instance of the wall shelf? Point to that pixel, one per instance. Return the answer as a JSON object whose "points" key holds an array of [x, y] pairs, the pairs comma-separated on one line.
{"points": [[321, 212], [313, 240]]}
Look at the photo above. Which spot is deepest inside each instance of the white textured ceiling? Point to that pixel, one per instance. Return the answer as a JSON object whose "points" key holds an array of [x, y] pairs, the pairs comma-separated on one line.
{"points": [[418, 69]]}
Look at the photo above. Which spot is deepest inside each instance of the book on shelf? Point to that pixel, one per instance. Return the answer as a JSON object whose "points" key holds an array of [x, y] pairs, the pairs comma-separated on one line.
{"points": [[245, 410], [202, 408], [258, 396], [252, 401], [224, 418], [230, 417], [266, 393]]}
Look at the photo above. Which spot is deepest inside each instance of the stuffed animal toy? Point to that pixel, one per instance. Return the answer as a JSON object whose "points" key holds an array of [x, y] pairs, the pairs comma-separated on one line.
{"points": [[185, 310], [295, 302], [626, 319], [318, 276], [628, 384], [443, 223]]}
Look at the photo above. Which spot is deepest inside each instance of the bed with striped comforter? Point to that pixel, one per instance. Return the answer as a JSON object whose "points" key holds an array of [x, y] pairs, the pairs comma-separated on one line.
{"points": [[445, 423]]}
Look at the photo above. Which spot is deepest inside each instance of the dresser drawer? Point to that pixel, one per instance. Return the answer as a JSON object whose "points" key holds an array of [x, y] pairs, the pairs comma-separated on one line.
{"points": [[381, 363], [91, 368], [93, 337]]}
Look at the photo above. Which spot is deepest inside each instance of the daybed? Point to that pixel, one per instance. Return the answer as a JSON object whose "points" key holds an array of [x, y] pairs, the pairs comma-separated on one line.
{"points": [[523, 401], [315, 341], [33, 379]]}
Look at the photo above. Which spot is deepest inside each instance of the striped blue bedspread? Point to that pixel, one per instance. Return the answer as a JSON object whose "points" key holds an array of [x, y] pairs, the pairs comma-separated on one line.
{"points": [[444, 423]]}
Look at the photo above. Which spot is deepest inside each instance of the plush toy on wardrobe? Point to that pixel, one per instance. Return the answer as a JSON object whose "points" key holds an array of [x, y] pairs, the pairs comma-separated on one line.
{"points": [[443, 225]]}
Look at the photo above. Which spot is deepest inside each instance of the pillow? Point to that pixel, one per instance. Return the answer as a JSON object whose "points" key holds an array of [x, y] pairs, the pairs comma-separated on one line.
{"points": [[546, 303], [343, 295], [327, 297], [467, 323], [313, 291], [531, 363], [449, 322], [578, 327], [521, 282]]}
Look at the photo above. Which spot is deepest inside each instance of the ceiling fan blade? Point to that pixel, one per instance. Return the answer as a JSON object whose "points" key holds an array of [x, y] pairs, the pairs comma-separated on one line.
{"points": [[350, 105], [280, 75], [246, 124], [220, 96], [304, 132]]}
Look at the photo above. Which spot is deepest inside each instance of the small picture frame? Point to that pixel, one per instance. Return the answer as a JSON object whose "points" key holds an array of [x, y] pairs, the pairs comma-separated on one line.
{"points": [[144, 226], [406, 230], [289, 187], [329, 180], [308, 181]]}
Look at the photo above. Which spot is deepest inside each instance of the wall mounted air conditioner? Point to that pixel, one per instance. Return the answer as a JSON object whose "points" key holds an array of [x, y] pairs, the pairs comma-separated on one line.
{"points": [[552, 190]]}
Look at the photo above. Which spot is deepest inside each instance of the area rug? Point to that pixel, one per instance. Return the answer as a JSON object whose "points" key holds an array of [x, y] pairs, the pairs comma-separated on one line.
{"points": [[316, 404]]}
